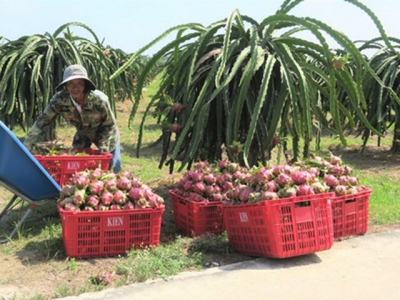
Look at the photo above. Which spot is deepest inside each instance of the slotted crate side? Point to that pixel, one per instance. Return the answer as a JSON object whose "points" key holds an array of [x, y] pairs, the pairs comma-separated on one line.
{"points": [[196, 218], [281, 228], [109, 233], [62, 167], [350, 214]]}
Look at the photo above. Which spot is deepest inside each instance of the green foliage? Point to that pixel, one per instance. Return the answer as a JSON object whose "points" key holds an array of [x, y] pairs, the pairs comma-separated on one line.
{"points": [[382, 100], [241, 83], [32, 66]]}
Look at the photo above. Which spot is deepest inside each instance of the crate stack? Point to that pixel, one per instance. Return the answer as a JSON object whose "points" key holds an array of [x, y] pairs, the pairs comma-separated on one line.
{"points": [[275, 211]]}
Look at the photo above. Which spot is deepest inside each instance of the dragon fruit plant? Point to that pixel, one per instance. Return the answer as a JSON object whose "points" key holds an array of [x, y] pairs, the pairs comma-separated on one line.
{"points": [[99, 190]]}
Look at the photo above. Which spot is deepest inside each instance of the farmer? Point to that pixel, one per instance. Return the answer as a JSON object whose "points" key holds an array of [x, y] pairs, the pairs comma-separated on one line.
{"points": [[88, 109]]}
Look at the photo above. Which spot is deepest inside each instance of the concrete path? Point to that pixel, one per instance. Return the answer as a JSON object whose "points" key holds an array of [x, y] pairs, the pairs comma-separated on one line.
{"points": [[363, 267]]}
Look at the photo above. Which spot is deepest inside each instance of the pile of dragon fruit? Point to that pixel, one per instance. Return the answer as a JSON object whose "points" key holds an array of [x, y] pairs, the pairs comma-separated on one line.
{"points": [[98, 190], [232, 184]]}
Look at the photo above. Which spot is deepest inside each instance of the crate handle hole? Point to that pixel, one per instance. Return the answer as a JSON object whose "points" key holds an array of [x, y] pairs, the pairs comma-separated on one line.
{"points": [[350, 200]]}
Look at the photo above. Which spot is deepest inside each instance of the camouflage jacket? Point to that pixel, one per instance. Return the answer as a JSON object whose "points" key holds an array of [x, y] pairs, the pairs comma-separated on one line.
{"points": [[96, 124]]}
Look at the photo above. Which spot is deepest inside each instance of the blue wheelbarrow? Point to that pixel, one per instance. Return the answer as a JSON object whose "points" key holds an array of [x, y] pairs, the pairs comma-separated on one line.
{"points": [[24, 177]]}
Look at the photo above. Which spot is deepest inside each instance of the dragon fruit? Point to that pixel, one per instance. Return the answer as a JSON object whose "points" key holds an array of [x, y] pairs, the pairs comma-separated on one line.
{"points": [[331, 180], [300, 177], [287, 192], [96, 187], [110, 185], [304, 190], [155, 201], [269, 195], [199, 187], [96, 174], [79, 197], [135, 193], [128, 205], [92, 200], [284, 179], [123, 183], [340, 190], [119, 197], [271, 186], [115, 207], [81, 181], [107, 198], [135, 182], [67, 191], [142, 203]]}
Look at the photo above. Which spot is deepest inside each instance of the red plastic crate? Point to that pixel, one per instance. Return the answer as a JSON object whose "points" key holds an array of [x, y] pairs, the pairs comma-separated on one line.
{"points": [[88, 234], [350, 214], [196, 218], [62, 167], [281, 228]]}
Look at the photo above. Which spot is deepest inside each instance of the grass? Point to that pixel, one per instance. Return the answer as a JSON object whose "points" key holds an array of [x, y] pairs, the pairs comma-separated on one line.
{"points": [[39, 249]]}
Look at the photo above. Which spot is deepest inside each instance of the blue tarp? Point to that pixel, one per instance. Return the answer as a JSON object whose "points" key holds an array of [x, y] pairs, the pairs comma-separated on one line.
{"points": [[21, 171]]}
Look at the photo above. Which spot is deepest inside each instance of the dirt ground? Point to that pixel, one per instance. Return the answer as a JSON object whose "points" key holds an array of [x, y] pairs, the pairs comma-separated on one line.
{"points": [[27, 273]]}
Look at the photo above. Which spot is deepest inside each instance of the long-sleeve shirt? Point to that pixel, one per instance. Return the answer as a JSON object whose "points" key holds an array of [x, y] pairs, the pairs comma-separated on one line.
{"points": [[95, 124]]}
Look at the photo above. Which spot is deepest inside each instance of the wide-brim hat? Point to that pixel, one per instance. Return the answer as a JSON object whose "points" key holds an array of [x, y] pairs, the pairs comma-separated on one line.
{"points": [[75, 72]]}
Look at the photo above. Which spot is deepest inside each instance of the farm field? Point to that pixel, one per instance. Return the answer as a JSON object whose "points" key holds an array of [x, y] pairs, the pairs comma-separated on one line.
{"points": [[39, 269]]}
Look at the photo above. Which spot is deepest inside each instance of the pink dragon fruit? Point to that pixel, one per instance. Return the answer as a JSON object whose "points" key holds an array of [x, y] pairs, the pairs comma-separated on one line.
{"points": [[88, 208], [287, 192], [136, 193], [67, 191], [65, 201], [110, 185], [126, 174], [284, 179], [105, 277], [300, 177], [79, 197], [340, 190], [304, 190], [92, 200], [115, 207], [336, 170], [217, 197], [343, 180], [268, 195], [197, 176], [245, 192], [142, 203], [335, 160], [209, 190], [119, 197], [96, 187], [209, 179], [135, 182], [155, 201], [71, 207], [107, 198], [222, 164], [188, 185], [331, 180], [102, 207], [96, 174], [319, 187], [271, 186], [353, 181], [81, 181], [123, 183], [199, 187], [128, 205]]}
